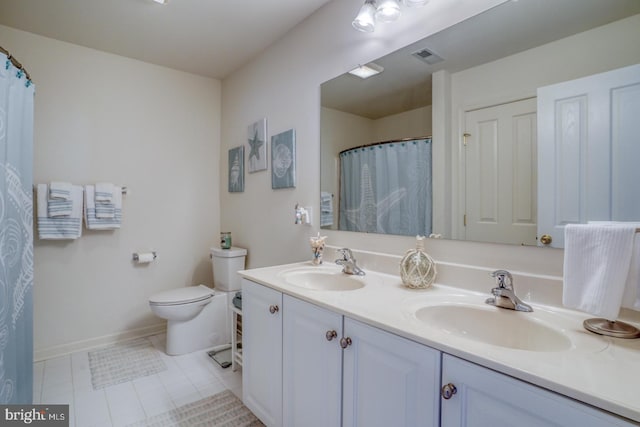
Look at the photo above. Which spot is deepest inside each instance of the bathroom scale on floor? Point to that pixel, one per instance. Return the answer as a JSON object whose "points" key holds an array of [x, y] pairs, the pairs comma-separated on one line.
{"points": [[221, 357]]}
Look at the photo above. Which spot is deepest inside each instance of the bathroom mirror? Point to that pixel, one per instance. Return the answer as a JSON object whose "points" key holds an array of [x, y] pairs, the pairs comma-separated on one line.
{"points": [[477, 67]]}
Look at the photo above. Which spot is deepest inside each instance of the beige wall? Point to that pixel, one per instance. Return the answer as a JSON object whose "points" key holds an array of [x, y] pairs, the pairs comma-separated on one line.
{"points": [[101, 117], [283, 85]]}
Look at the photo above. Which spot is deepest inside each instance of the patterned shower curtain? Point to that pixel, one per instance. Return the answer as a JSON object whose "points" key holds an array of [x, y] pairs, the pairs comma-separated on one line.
{"points": [[386, 188], [16, 235]]}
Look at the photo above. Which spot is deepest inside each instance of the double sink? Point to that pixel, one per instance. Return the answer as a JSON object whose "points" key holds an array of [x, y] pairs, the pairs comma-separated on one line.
{"points": [[459, 314]]}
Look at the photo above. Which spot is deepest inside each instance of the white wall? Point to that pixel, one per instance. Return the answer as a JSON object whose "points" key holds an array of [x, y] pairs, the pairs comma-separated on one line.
{"points": [[283, 84], [101, 117], [408, 124]]}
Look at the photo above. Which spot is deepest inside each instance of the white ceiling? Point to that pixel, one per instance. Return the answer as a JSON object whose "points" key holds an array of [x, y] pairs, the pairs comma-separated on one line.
{"points": [[212, 38]]}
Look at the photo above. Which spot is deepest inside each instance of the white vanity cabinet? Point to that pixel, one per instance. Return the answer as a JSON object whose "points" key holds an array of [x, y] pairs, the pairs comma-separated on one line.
{"points": [[312, 365], [334, 371], [487, 398], [262, 348], [388, 380]]}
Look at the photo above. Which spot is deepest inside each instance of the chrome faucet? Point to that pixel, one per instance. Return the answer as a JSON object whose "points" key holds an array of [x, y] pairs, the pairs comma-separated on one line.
{"points": [[504, 295], [348, 263]]}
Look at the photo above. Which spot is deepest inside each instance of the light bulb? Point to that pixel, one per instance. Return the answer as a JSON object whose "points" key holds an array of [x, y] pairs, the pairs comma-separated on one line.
{"points": [[365, 20], [388, 11]]}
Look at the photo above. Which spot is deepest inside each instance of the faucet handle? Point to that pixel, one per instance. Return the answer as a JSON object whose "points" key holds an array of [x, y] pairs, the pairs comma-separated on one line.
{"points": [[346, 253], [504, 279]]}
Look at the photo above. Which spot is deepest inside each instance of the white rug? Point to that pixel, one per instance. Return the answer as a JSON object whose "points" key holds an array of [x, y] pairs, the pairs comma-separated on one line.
{"points": [[220, 410], [124, 362]]}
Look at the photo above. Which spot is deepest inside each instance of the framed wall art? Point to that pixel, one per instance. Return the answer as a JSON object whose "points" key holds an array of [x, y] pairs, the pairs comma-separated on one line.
{"points": [[283, 160], [236, 170], [257, 145]]}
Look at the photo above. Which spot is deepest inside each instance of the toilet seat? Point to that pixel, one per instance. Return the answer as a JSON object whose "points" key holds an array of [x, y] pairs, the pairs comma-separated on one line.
{"points": [[180, 296]]}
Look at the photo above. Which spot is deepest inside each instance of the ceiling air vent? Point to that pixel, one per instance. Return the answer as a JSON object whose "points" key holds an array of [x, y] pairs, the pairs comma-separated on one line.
{"points": [[427, 56]]}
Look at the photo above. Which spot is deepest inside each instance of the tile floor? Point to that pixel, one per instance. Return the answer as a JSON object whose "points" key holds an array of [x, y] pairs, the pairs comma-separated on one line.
{"points": [[188, 378]]}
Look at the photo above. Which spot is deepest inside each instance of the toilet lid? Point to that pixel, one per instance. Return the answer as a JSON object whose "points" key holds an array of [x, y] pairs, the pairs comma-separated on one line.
{"points": [[182, 295]]}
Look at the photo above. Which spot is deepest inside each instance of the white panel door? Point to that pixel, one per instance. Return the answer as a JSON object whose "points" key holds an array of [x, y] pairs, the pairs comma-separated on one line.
{"points": [[485, 398], [262, 352], [388, 380], [588, 152], [501, 173], [312, 360]]}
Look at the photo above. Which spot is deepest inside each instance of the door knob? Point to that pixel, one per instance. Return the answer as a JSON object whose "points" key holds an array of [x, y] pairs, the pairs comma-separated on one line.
{"points": [[448, 390], [546, 239], [273, 309]]}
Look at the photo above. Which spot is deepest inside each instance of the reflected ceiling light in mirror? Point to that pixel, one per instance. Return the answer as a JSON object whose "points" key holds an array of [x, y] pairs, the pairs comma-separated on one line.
{"points": [[161, 1], [365, 21], [388, 11], [373, 11], [412, 3], [367, 70]]}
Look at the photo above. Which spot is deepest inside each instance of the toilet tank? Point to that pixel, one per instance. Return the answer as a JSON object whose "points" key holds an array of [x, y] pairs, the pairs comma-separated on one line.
{"points": [[225, 264]]}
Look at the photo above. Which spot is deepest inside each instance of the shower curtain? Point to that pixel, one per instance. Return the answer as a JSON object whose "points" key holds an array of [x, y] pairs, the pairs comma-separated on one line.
{"points": [[386, 188], [16, 235]]}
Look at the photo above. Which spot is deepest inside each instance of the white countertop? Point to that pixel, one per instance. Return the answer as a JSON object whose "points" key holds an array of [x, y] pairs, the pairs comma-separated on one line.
{"points": [[601, 371]]}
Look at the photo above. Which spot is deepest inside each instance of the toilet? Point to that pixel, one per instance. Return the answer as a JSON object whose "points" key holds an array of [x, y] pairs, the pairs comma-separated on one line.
{"points": [[197, 316]]}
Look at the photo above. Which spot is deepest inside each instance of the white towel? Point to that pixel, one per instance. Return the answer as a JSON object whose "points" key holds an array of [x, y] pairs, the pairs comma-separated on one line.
{"points": [[91, 220], [59, 207], [60, 190], [597, 261], [105, 210], [67, 227], [326, 209], [104, 192]]}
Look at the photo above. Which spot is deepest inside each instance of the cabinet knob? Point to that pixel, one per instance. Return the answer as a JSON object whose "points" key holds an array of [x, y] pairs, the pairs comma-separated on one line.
{"points": [[546, 239], [273, 309], [448, 390], [331, 335], [345, 342]]}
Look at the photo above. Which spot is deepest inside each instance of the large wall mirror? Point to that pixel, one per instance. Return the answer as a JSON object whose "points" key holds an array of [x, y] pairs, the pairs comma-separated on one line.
{"points": [[443, 141]]}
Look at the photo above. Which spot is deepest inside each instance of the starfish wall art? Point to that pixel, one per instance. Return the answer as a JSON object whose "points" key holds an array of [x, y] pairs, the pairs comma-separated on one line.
{"points": [[257, 145]]}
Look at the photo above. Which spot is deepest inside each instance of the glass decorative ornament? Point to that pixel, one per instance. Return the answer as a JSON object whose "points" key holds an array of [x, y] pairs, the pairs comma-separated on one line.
{"points": [[417, 268]]}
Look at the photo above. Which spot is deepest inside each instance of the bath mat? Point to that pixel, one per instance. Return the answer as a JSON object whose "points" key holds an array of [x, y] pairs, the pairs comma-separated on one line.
{"points": [[124, 362], [222, 409], [222, 357]]}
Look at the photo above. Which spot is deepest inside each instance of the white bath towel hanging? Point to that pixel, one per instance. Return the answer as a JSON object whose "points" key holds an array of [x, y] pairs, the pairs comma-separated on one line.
{"points": [[60, 190], [64, 227], [597, 262], [93, 222], [104, 192]]}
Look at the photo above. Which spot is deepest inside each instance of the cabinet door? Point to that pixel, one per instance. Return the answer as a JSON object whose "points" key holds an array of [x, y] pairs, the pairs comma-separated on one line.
{"points": [[312, 365], [485, 398], [262, 352], [388, 380]]}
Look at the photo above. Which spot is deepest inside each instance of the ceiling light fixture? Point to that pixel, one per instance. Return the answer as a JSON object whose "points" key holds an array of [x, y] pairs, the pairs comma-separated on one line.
{"points": [[373, 11], [365, 20], [388, 11], [367, 70], [161, 1]]}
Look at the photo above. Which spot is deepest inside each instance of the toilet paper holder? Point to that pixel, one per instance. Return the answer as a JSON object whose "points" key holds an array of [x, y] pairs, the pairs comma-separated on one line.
{"points": [[136, 256]]}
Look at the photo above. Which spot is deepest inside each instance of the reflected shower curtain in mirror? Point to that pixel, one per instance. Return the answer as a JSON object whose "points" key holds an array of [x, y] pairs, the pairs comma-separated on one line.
{"points": [[386, 188], [16, 235]]}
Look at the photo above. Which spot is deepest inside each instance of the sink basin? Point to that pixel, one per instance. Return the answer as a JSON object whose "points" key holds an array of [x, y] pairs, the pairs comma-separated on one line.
{"points": [[495, 326], [322, 279]]}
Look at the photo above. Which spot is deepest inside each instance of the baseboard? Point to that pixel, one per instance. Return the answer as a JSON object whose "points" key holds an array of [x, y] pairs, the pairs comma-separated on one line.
{"points": [[89, 344]]}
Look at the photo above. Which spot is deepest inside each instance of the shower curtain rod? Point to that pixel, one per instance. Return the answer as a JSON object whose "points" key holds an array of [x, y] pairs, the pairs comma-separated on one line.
{"points": [[385, 142], [15, 62]]}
